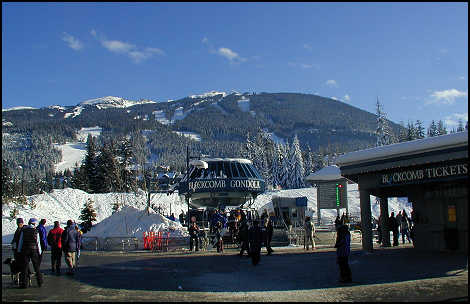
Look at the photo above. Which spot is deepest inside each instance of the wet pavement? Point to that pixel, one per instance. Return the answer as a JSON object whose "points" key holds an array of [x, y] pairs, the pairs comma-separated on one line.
{"points": [[290, 274]]}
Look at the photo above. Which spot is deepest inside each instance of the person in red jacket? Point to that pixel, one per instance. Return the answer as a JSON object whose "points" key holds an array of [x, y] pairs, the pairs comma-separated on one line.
{"points": [[54, 240]]}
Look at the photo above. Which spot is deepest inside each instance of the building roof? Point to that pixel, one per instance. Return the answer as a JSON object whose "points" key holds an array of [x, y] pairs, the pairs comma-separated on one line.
{"points": [[325, 174], [405, 148]]}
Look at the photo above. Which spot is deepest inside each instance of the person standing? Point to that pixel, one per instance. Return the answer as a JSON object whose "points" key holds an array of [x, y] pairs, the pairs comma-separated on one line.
{"points": [[269, 234], [16, 238], [193, 236], [69, 241], [309, 230], [398, 218], [394, 227], [405, 227], [42, 236], [256, 238], [243, 236], [79, 245], [54, 240], [337, 222], [29, 248], [219, 237], [379, 229], [343, 250]]}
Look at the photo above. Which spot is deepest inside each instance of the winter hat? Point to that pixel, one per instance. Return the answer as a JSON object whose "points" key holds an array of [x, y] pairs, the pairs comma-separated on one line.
{"points": [[19, 220], [56, 224], [42, 222], [32, 221]]}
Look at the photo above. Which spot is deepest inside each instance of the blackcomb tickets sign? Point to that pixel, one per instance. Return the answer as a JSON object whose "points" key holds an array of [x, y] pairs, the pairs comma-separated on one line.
{"points": [[424, 174]]}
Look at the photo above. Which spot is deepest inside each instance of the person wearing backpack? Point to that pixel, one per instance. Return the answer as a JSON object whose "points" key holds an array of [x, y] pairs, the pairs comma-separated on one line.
{"points": [[54, 240]]}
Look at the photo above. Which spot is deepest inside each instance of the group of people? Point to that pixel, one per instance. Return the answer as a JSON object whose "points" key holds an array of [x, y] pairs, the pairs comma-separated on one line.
{"points": [[30, 242], [400, 224], [254, 236]]}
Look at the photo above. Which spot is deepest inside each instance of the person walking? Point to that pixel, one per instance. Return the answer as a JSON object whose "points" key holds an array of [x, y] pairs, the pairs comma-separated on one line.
{"points": [[343, 250], [193, 236], [269, 234], [243, 236], [379, 230], [16, 238], [398, 218], [219, 237], [309, 231], [79, 245], [29, 248], [394, 227], [69, 241], [405, 227], [54, 240], [256, 238], [42, 236]]}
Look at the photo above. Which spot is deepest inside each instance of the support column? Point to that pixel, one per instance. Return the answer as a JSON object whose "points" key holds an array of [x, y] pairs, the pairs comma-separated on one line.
{"points": [[384, 221], [366, 220]]}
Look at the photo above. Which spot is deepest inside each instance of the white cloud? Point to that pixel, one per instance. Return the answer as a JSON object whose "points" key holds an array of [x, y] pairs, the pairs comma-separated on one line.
{"points": [[229, 54], [446, 96], [118, 46], [72, 42], [331, 83], [134, 52], [452, 121], [302, 65], [346, 97]]}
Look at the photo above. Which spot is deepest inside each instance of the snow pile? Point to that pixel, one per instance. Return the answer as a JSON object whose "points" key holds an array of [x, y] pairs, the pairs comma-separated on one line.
{"points": [[130, 221], [19, 108]]}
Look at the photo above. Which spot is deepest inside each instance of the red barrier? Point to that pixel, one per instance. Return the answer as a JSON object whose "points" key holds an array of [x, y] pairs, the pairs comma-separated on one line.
{"points": [[155, 241]]}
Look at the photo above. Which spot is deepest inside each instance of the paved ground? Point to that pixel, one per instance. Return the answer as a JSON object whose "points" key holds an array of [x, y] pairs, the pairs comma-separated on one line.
{"points": [[290, 274]]}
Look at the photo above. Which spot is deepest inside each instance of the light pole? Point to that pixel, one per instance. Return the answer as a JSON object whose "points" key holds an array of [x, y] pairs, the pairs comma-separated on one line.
{"points": [[22, 180]]}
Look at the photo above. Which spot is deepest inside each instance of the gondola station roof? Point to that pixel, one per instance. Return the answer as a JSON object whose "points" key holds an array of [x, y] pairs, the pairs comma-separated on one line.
{"points": [[212, 182]]}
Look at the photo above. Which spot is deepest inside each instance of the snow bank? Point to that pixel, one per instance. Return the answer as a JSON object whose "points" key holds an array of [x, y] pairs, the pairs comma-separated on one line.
{"points": [[132, 220]]}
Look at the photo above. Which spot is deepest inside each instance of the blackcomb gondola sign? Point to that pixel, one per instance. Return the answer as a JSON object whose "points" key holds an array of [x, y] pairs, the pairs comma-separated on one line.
{"points": [[225, 185]]}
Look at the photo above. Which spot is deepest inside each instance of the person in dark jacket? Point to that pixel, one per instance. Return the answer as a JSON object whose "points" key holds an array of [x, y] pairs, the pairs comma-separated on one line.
{"points": [[69, 240], [269, 234], [337, 222], [42, 236], [256, 239], [54, 240], [243, 236], [29, 248], [193, 236], [16, 238], [343, 249], [219, 237], [393, 223]]}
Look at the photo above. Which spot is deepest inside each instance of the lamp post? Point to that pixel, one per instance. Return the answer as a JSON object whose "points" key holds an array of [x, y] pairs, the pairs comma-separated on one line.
{"points": [[22, 180]]}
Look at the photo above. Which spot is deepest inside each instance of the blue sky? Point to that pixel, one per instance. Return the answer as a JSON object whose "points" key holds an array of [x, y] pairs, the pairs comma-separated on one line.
{"points": [[413, 56]]}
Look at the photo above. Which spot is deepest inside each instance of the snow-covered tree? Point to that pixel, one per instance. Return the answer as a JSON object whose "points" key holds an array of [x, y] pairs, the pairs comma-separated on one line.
{"points": [[420, 129], [297, 171], [276, 166], [383, 132], [284, 170], [402, 136], [410, 131], [432, 130], [441, 128]]}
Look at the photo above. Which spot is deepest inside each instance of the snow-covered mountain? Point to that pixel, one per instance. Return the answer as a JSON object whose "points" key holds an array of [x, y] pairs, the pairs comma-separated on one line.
{"points": [[113, 102]]}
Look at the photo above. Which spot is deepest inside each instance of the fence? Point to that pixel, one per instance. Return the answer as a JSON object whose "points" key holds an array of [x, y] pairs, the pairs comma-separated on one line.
{"points": [[120, 243]]}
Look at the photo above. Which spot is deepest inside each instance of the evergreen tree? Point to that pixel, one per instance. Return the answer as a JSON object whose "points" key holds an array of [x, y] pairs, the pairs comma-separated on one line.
{"points": [[432, 130], [128, 177], [441, 129], [411, 132], [8, 189], [402, 136], [296, 165], [284, 170], [108, 170], [91, 167], [88, 215], [383, 132], [276, 167], [419, 129], [460, 126]]}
